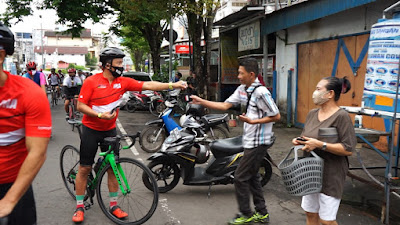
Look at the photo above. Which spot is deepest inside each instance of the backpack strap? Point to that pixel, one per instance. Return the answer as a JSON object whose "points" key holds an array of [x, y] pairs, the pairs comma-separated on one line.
{"points": [[249, 97]]}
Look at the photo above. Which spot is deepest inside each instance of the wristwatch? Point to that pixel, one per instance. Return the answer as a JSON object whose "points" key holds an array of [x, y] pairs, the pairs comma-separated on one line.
{"points": [[323, 146], [99, 115], [170, 86]]}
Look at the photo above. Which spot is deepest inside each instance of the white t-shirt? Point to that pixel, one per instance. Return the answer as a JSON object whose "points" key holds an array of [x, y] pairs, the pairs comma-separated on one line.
{"points": [[72, 82]]}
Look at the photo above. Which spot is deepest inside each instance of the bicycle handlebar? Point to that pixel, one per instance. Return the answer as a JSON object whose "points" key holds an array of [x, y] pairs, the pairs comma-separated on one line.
{"points": [[133, 139]]}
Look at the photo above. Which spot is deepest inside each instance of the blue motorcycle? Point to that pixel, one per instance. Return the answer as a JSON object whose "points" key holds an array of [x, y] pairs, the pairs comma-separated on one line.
{"points": [[156, 131]]}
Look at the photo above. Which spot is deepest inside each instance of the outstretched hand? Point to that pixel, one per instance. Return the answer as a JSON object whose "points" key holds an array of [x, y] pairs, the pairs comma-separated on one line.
{"points": [[180, 84], [196, 99]]}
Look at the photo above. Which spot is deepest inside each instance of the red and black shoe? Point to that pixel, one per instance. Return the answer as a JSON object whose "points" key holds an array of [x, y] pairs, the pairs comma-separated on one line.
{"points": [[78, 216], [118, 212]]}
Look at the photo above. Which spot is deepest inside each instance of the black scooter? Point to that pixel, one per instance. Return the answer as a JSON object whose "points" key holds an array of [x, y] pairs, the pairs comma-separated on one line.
{"points": [[183, 150]]}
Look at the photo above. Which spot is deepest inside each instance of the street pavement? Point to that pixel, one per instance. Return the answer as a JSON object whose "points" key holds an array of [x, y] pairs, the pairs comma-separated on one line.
{"points": [[189, 205]]}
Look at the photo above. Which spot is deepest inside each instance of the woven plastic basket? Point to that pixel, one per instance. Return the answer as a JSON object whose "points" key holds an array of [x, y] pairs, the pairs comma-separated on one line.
{"points": [[302, 175]]}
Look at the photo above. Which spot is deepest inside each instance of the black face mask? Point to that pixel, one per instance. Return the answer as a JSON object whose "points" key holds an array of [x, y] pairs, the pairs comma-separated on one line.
{"points": [[118, 71]]}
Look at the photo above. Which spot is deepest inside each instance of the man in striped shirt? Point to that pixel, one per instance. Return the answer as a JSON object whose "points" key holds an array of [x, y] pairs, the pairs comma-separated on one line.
{"points": [[260, 113]]}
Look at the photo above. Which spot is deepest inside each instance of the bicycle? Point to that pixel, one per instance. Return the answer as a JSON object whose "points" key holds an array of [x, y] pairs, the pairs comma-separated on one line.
{"points": [[133, 196], [73, 114], [54, 97]]}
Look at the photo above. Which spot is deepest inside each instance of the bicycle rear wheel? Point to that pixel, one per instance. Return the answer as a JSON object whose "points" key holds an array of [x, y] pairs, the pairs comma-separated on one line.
{"points": [[140, 203], [69, 164]]}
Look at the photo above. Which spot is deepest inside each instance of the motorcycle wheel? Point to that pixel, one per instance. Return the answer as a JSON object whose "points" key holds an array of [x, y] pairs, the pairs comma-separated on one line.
{"points": [[166, 174], [130, 107], [157, 107], [147, 138], [216, 133], [265, 172]]}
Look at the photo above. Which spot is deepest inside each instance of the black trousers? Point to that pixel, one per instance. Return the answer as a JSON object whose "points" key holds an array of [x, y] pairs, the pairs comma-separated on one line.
{"points": [[24, 213], [247, 181]]}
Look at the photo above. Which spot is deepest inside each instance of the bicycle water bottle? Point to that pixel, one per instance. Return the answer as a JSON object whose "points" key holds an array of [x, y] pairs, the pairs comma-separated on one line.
{"points": [[97, 164]]}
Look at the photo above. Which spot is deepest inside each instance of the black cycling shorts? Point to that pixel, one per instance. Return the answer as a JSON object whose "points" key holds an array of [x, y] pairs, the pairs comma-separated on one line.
{"points": [[71, 91], [90, 141], [25, 210]]}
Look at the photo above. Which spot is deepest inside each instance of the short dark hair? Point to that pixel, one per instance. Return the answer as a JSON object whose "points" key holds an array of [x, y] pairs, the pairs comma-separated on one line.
{"points": [[250, 65], [179, 74], [338, 85]]}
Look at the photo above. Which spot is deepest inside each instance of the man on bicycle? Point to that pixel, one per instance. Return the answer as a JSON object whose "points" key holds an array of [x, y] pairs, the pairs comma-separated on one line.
{"points": [[71, 88], [38, 77], [54, 81], [100, 94], [25, 128]]}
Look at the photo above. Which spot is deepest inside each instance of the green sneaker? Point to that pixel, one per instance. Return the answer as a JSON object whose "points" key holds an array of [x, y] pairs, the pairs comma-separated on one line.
{"points": [[241, 219], [258, 218]]}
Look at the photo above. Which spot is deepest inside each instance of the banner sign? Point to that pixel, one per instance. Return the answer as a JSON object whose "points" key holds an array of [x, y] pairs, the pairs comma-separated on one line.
{"points": [[249, 36], [183, 49]]}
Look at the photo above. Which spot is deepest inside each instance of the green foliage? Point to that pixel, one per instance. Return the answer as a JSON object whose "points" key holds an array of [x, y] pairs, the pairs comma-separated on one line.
{"points": [[90, 61], [16, 10], [77, 67], [163, 76]]}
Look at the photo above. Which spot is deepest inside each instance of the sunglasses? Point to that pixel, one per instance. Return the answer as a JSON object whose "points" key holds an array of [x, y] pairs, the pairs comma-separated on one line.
{"points": [[31, 69]]}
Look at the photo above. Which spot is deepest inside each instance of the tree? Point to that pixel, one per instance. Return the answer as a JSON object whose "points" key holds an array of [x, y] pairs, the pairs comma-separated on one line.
{"points": [[136, 44], [91, 61], [200, 14], [147, 16]]}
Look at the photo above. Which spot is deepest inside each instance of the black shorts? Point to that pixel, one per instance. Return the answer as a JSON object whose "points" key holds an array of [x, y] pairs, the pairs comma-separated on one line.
{"points": [[71, 91], [25, 210], [90, 141]]}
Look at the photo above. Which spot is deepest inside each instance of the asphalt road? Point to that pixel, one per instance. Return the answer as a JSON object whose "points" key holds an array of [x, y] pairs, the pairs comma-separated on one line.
{"points": [[187, 205]]}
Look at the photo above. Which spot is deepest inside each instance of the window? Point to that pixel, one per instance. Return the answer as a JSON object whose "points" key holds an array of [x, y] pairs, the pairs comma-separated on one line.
{"points": [[27, 35], [19, 34]]}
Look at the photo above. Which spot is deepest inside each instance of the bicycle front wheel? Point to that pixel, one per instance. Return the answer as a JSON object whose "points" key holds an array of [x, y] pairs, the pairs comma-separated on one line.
{"points": [[69, 164], [139, 202]]}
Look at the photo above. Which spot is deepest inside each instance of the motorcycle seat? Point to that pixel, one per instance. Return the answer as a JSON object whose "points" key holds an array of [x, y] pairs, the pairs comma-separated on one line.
{"points": [[228, 146]]}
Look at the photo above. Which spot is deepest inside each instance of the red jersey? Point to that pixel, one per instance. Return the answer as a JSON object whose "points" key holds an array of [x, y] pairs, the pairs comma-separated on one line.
{"points": [[101, 96], [24, 112]]}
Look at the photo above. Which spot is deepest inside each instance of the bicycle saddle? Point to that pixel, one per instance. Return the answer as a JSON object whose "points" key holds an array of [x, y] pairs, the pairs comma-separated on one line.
{"points": [[228, 146]]}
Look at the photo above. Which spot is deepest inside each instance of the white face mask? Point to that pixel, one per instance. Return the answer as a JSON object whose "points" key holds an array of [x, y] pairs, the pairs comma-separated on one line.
{"points": [[33, 72], [318, 97]]}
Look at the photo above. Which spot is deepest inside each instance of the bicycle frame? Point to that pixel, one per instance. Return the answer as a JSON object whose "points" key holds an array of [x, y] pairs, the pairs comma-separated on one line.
{"points": [[110, 158]]}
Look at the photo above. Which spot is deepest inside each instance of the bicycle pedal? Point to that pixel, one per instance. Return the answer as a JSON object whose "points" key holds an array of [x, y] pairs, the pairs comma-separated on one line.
{"points": [[87, 205]]}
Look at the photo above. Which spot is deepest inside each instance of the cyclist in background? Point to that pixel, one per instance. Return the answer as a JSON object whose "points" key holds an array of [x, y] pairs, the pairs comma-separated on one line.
{"points": [[100, 94], [61, 75], [38, 77], [25, 128], [81, 75], [71, 87], [54, 80]]}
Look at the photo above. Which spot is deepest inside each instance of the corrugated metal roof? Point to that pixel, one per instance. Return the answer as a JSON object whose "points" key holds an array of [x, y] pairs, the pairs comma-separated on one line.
{"points": [[237, 16], [306, 12], [67, 50]]}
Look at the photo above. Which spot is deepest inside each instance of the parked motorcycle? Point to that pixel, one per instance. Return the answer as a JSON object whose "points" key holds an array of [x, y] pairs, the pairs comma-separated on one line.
{"points": [[183, 151], [156, 131], [157, 104], [145, 100]]}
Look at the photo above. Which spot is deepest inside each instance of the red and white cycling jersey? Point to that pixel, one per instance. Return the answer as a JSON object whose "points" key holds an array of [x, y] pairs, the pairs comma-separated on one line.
{"points": [[24, 112], [101, 96]]}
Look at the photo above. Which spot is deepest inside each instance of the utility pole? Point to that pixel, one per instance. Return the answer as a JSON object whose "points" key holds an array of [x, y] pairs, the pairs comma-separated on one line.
{"points": [[41, 40], [171, 43]]}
